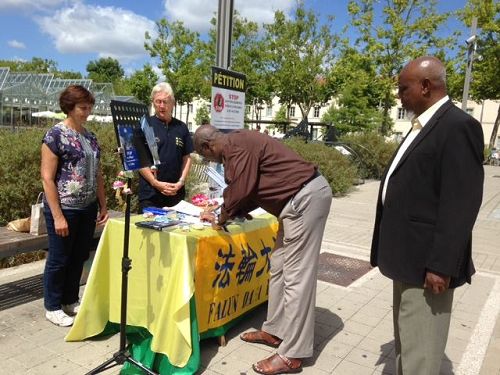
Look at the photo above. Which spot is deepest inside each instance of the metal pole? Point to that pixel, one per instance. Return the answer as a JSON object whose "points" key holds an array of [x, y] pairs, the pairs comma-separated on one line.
{"points": [[471, 44], [224, 32]]}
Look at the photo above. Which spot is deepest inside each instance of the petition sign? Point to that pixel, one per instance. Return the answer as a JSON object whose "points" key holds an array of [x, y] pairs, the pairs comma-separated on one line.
{"points": [[228, 99]]}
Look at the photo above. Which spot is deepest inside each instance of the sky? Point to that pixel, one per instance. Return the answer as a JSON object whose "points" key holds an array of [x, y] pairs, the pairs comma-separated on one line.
{"points": [[74, 32]]}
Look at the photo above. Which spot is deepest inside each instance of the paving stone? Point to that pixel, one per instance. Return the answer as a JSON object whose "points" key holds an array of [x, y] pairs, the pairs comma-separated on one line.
{"points": [[55, 366], [351, 368], [353, 325]]}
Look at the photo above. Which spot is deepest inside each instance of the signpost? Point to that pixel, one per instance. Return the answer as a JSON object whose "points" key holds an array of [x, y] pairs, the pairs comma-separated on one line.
{"points": [[228, 99]]}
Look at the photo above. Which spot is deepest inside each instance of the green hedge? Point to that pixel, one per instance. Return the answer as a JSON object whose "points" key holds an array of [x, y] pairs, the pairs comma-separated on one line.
{"points": [[340, 173], [374, 152], [20, 166], [19, 172]]}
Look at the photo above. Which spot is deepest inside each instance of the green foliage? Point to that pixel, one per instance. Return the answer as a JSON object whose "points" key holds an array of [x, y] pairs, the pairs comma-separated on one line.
{"points": [[141, 82], [35, 65], [110, 163], [179, 53], [485, 83], [391, 34], [106, 69], [486, 69], [202, 116], [300, 55], [374, 152], [281, 114], [249, 56], [358, 90], [19, 172], [66, 74], [20, 169], [336, 168]]}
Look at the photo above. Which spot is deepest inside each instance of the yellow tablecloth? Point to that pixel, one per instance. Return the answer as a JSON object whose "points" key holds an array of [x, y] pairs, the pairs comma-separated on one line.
{"points": [[162, 280]]}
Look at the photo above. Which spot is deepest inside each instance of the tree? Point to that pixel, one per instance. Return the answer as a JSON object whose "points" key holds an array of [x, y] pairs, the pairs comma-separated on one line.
{"points": [[202, 115], [281, 114], [66, 74], [358, 91], [300, 53], [141, 82], [405, 29], [35, 65], [179, 53], [249, 56], [485, 82], [106, 69]]}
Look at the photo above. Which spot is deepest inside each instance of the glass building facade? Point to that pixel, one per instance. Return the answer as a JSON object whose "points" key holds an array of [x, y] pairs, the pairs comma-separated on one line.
{"points": [[22, 94]]}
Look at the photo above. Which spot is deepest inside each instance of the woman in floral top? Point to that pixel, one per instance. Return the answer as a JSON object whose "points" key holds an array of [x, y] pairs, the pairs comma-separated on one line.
{"points": [[74, 202]]}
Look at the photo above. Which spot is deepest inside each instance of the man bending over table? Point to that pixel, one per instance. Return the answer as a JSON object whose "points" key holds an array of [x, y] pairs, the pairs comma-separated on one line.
{"points": [[262, 172]]}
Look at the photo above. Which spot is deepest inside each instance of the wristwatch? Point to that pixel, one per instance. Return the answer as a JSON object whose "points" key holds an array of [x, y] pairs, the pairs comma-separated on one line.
{"points": [[181, 180]]}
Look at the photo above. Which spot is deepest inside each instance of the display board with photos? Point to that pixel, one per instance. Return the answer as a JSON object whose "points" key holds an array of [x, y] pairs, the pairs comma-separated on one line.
{"points": [[134, 135]]}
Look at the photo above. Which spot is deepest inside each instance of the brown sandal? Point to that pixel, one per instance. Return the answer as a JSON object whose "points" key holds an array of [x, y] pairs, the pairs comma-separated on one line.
{"points": [[261, 337], [278, 364]]}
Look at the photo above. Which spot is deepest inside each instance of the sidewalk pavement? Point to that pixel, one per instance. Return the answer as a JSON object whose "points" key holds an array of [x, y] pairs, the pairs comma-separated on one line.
{"points": [[354, 333]]}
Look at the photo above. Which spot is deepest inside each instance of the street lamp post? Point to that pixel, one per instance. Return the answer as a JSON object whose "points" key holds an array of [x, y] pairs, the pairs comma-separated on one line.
{"points": [[471, 50]]}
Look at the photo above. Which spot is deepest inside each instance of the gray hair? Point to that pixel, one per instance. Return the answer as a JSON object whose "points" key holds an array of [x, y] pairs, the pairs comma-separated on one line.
{"points": [[160, 87]]}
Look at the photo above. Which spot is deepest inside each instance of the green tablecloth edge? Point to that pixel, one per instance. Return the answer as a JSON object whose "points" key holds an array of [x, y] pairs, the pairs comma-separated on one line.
{"points": [[139, 340]]}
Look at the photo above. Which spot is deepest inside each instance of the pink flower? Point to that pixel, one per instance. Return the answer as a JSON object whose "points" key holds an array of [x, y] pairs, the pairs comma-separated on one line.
{"points": [[118, 184]]}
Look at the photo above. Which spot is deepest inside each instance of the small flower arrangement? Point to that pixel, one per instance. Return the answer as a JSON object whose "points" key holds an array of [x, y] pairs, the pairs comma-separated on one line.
{"points": [[120, 185], [201, 200]]}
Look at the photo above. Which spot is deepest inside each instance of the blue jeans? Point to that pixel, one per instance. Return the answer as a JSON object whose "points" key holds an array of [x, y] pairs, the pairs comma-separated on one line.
{"points": [[66, 256]]}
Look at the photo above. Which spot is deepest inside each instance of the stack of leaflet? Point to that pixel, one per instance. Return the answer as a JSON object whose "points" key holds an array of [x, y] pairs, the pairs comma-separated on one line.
{"points": [[216, 177], [155, 211]]}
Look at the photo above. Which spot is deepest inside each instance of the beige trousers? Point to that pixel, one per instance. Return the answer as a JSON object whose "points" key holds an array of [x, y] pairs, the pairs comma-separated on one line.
{"points": [[421, 323], [294, 265]]}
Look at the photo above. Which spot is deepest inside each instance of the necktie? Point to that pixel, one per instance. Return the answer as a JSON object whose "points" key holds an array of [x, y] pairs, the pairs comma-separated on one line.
{"points": [[415, 124]]}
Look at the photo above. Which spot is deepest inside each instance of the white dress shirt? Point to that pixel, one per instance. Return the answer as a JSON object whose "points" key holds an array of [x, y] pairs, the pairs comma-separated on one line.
{"points": [[423, 119]]}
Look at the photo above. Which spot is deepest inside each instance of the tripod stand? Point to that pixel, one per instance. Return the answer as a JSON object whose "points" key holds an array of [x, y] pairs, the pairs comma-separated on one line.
{"points": [[123, 355], [135, 155]]}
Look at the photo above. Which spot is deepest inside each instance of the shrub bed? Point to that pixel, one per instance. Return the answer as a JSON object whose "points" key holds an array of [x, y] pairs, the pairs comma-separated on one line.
{"points": [[20, 165], [374, 151], [336, 168]]}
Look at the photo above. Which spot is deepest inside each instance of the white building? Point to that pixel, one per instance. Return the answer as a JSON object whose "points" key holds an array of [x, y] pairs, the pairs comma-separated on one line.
{"points": [[485, 113]]}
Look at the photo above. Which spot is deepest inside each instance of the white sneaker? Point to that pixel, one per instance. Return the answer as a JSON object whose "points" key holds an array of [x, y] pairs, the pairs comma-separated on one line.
{"points": [[71, 309], [59, 318]]}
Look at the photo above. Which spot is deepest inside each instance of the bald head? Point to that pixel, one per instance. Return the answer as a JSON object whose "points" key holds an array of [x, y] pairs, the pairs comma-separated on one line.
{"points": [[429, 67], [207, 142], [422, 82]]}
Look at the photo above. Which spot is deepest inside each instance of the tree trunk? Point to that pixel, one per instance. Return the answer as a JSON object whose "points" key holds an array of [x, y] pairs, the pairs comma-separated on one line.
{"points": [[494, 132], [386, 121], [187, 115], [305, 110]]}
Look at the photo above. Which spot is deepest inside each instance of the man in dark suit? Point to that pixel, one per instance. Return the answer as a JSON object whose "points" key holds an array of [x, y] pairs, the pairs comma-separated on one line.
{"points": [[428, 201]]}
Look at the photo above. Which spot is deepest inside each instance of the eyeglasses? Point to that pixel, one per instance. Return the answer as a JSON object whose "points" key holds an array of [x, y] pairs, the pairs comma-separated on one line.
{"points": [[164, 101]]}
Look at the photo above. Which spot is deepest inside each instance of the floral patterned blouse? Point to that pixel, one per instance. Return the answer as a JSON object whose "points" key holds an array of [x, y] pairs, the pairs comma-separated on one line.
{"points": [[76, 176]]}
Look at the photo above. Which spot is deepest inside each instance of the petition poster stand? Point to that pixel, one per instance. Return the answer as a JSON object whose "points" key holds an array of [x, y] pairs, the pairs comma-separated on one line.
{"points": [[137, 152]]}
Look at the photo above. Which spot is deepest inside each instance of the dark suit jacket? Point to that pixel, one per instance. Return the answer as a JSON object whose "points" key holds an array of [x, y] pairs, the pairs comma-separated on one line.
{"points": [[432, 201]]}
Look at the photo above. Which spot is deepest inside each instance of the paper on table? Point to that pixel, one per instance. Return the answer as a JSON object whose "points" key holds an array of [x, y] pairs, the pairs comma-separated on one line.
{"points": [[187, 208], [193, 220], [258, 211]]}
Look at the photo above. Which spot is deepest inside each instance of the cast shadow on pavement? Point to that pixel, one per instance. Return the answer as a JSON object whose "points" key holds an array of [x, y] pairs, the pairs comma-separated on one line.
{"points": [[387, 358]]}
